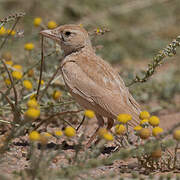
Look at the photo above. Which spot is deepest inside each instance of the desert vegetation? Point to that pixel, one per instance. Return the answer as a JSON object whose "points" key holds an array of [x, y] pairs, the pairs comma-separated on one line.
{"points": [[43, 131]]}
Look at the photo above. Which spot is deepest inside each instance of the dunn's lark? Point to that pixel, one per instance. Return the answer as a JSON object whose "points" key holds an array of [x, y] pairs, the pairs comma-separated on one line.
{"points": [[91, 81]]}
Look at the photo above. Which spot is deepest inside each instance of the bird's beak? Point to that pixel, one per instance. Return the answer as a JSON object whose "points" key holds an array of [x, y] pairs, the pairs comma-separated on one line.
{"points": [[52, 34]]}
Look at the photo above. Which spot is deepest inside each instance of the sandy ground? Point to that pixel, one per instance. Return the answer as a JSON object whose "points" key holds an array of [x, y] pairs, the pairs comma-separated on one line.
{"points": [[15, 159]]}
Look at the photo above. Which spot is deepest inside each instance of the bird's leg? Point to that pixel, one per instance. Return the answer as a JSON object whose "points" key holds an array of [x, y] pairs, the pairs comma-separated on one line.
{"points": [[100, 124], [110, 123], [80, 123]]}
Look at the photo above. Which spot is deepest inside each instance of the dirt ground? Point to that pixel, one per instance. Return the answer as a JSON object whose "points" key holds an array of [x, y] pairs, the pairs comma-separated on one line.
{"points": [[15, 160]]}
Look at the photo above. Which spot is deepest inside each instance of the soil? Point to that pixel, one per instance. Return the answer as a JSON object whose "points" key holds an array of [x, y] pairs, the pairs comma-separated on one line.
{"points": [[16, 158]]}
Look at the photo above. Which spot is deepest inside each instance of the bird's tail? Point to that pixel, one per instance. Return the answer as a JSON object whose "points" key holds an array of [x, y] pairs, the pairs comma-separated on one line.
{"points": [[134, 111]]}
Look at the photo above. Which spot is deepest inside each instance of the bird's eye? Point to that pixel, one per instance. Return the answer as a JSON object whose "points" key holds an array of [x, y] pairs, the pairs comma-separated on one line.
{"points": [[67, 33]]}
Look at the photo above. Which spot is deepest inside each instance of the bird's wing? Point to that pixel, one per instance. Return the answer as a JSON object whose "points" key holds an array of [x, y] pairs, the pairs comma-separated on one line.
{"points": [[99, 85]]}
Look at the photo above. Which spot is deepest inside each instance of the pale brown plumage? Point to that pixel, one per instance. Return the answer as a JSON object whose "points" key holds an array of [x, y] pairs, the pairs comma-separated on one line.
{"points": [[91, 81]]}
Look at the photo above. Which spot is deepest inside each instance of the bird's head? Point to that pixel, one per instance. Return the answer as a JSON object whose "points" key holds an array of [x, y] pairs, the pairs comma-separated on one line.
{"points": [[71, 38]]}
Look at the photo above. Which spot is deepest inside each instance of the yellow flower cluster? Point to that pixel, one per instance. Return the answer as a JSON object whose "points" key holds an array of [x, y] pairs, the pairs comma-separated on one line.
{"points": [[29, 46], [10, 63], [42, 82], [52, 24], [17, 75], [56, 95], [58, 133], [108, 136], [17, 67], [4, 31], [69, 131], [103, 133], [137, 128], [144, 133], [32, 103], [33, 111], [154, 121], [7, 82], [124, 118], [34, 136], [37, 21], [176, 135], [120, 129], [27, 84], [89, 113], [144, 115], [157, 131], [144, 121], [12, 33]]}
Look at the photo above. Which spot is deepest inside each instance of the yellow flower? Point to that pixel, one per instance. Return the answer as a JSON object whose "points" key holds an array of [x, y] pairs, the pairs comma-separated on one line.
{"points": [[29, 46], [12, 32], [17, 75], [144, 115], [144, 133], [37, 21], [176, 135], [27, 84], [120, 129], [10, 63], [34, 136], [58, 133], [2, 31], [108, 136], [102, 131], [42, 82], [70, 131], [56, 95], [32, 103], [144, 121], [17, 67], [30, 72], [46, 134], [124, 118], [7, 82], [32, 113], [154, 120], [89, 113], [33, 96], [137, 128], [156, 131], [52, 24]]}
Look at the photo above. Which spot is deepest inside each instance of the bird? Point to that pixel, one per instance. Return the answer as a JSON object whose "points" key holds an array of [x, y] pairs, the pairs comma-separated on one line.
{"points": [[92, 81]]}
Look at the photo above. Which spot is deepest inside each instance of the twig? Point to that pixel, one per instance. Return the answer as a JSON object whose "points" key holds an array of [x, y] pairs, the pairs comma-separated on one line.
{"points": [[12, 82], [80, 123], [12, 17], [41, 68], [8, 100], [8, 122], [6, 38], [14, 108], [49, 82], [169, 51], [175, 155], [57, 114]]}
